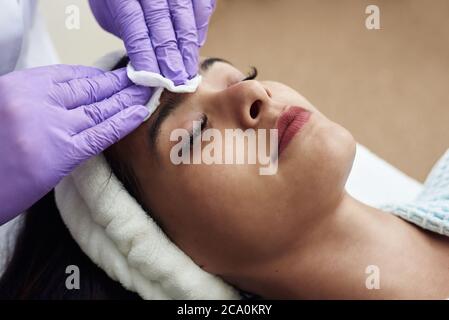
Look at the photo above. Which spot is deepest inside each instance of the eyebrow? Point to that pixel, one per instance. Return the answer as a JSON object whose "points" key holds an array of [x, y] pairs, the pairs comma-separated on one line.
{"points": [[171, 101], [207, 63]]}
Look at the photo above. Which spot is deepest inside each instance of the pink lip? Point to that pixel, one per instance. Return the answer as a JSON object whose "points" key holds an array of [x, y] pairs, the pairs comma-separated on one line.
{"points": [[289, 124]]}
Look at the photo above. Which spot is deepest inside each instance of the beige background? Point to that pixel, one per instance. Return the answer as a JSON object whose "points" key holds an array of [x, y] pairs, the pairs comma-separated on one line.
{"points": [[389, 87]]}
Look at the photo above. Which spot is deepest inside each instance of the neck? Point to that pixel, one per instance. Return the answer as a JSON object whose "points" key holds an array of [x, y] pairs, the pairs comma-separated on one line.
{"points": [[358, 252]]}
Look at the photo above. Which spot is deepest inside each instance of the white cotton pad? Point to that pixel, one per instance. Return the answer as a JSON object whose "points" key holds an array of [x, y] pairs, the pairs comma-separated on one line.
{"points": [[157, 81]]}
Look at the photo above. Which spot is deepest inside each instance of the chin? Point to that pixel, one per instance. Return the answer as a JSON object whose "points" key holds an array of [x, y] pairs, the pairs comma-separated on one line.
{"points": [[331, 151], [340, 148]]}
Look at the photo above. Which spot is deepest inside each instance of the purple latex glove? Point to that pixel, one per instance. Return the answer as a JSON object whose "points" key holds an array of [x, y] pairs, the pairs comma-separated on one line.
{"points": [[54, 118], [162, 36]]}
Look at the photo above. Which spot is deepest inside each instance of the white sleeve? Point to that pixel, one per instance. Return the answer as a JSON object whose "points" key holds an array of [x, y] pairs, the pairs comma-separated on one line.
{"points": [[11, 35], [37, 48]]}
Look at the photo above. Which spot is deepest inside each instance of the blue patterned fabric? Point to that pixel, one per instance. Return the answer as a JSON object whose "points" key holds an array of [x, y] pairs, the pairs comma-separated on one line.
{"points": [[430, 209]]}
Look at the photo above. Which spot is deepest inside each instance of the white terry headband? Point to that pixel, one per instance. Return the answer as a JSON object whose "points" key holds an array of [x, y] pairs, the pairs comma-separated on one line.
{"points": [[155, 80], [114, 231]]}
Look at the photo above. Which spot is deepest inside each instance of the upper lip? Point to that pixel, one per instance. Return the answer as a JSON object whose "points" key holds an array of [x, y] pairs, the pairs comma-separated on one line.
{"points": [[281, 129], [283, 124], [284, 109]]}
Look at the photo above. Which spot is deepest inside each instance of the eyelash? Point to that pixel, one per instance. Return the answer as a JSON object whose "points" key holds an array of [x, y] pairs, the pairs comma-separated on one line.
{"points": [[193, 135], [252, 75]]}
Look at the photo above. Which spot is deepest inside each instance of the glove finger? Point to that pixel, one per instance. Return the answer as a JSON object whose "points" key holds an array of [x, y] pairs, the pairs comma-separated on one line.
{"points": [[163, 38], [186, 34], [103, 14], [203, 11], [64, 73], [79, 92], [134, 32], [89, 116], [94, 140]]}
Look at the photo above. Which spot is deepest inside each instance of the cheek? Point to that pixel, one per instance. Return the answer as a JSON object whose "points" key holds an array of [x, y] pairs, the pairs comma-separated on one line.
{"points": [[222, 215], [197, 209]]}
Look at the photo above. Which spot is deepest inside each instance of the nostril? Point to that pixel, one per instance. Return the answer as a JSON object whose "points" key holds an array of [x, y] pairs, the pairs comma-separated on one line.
{"points": [[255, 109]]}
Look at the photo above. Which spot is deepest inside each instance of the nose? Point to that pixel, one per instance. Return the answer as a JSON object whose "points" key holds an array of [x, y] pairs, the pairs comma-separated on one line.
{"points": [[247, 103]]}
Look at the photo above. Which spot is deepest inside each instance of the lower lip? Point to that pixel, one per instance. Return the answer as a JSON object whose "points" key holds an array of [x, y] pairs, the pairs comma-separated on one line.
{"points": [[290, 123]]}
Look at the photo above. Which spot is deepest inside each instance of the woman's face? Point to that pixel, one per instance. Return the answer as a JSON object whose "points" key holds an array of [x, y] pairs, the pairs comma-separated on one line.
{"points": [[228, 216]]}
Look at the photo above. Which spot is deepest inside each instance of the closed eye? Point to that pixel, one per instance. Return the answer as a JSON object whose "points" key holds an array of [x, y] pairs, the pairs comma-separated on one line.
{"points": [[197, 130], [252, 75]]}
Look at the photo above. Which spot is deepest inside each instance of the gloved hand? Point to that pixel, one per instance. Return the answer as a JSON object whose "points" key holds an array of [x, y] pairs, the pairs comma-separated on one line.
{"points": [[161, 36], [54, 118]]}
